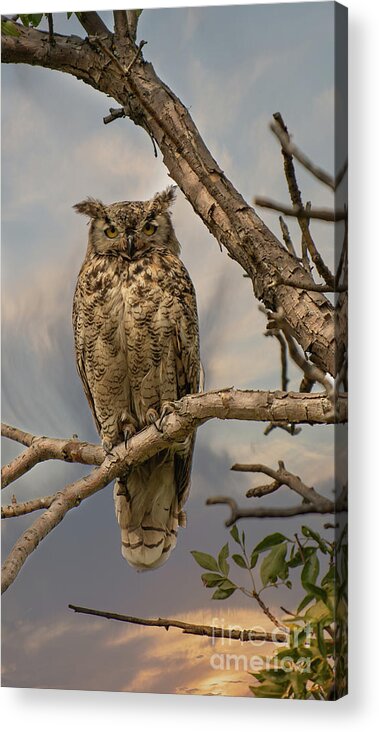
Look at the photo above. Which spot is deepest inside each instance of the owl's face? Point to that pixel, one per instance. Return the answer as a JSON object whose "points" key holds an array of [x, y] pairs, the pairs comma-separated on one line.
{"points": [[130, 228]]}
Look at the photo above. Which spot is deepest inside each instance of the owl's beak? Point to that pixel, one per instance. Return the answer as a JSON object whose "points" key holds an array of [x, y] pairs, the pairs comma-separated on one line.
{"points": [[130, 244]]}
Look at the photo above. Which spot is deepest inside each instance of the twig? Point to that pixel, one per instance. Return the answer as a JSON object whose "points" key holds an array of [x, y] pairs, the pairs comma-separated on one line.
{"points": [[188, 628], [322, 214], [291, 149], [284, 477], [114, 114], [20, 509], [259, 512], [297, 203], [286, 236], [293, 282], [135, 57], [311, 371], [304, 243]]}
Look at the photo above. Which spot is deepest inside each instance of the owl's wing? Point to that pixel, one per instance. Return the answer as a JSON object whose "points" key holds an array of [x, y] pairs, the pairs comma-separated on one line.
{"points": [[80, 352], [188, 382]]}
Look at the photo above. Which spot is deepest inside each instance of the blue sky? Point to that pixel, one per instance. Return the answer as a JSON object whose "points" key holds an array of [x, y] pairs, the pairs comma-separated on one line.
{"points": [[233, 67]]}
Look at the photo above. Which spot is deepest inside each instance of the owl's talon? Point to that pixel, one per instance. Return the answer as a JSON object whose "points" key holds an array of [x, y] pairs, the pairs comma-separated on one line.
{"points": [[129, 431], [152, 416], [107, 445], [167, 409]]}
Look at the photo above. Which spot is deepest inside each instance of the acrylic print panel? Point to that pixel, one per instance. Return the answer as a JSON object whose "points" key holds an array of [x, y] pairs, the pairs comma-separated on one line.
{"points": [[249, 122]]}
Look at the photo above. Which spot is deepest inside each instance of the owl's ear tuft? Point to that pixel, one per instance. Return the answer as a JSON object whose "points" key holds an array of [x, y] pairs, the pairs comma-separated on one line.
{"points": [[90, 207], [162, 201]]}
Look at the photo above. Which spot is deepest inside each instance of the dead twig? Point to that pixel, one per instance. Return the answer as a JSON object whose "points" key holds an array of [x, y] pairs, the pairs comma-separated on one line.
{"points": [[189, 628]]}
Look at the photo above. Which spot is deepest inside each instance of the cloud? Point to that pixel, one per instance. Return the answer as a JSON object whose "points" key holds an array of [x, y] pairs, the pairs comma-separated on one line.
{"points": [[156, 660]]}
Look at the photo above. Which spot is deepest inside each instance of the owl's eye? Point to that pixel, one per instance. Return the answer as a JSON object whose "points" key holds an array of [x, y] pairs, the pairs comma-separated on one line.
{"points": [[111, 232], [149, 228]]}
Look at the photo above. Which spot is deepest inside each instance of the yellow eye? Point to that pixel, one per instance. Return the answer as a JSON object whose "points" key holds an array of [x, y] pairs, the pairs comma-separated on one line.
{"points": [[111, 232], [149, 228]]}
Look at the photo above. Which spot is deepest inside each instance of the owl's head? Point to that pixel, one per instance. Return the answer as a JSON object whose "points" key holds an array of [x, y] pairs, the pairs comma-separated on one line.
{"points": [[130, 228]]}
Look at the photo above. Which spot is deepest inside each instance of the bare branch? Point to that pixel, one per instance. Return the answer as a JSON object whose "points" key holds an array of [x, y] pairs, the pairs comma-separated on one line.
{"points": [[14, 433], [312, 372], [121, 26], [293, 282], [47, 448], [21, 509], [291, 149], [287, 237], [322, 214], [93, 24], [189, 628], [297, 204], [132, 16], [259, 512], [284, 477]]}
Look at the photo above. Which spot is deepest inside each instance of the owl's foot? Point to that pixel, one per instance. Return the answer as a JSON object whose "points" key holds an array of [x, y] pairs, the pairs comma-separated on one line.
{"points": [[167, 409], [152, 416], [128, 430], [107, 445]]}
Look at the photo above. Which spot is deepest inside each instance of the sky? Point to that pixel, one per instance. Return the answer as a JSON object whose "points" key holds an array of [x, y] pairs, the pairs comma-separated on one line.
{"points": [[233, 67]]}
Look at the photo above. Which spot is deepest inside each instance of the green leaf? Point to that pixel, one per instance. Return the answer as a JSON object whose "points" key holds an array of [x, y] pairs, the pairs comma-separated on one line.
{"points": [[273, 564], [234, 534], [221, 559], [253, 560], [269, 541], [320, 639], [317, 592], [239, 560], [222, 594], [310, 534], [310, 570], [25, 20], [205, 560], [211, 580], [317, 612], [69, 15], [35, 19], [138, 12], [305, 601], [9, 29], [226, 584]]}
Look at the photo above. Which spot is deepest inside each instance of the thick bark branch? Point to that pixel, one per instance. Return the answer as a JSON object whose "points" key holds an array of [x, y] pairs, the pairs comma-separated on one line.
{"points": [[93, 24], [152, 105], [189, 628], [181, 419], [48, 448]]}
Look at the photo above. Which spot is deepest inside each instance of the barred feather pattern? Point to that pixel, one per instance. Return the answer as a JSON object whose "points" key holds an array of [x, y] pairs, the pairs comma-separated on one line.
{"points": [[137, 348]]}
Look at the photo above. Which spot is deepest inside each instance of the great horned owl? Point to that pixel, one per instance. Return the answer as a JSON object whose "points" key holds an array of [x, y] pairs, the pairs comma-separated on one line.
{"points": [[137, 347]]}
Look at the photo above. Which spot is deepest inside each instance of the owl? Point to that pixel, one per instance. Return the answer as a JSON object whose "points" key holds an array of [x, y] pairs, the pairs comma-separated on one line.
{"points": [[137, 347]]}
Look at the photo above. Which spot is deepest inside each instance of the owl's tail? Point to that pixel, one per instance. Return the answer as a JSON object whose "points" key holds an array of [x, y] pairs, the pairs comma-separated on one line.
{"points": [[147, 511]]}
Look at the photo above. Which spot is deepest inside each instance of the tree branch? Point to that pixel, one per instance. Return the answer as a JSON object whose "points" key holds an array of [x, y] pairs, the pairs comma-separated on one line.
{"points": [[189, 628], [132, 16], [152, 105], [291, 149], [93, 24], [260, 512], [21, 509], [48, 448], [180, 419], [321, 214], [295, 195]]}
